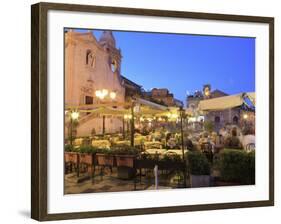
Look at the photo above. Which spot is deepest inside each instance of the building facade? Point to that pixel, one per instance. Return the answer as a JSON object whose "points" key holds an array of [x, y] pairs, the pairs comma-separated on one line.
{"points": [[220, 108], [93, 66], [163, 96]]}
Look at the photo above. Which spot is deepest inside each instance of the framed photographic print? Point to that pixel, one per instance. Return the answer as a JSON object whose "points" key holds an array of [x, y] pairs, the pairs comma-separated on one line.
{"points": [[139, 111]]}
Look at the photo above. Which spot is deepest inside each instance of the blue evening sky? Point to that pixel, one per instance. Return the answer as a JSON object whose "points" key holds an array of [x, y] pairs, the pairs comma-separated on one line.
{"points": [[184, 63]]}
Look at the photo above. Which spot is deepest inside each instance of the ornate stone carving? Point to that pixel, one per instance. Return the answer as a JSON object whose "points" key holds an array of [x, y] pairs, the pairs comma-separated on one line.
{"points": [[87, 89]]}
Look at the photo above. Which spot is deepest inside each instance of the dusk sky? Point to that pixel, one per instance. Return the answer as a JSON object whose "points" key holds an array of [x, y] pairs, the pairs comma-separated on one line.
{"points": [[184, 63]]}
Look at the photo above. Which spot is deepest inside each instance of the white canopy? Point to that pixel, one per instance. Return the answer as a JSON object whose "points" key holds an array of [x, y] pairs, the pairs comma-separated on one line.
{"points": [[151, 104], [224, 102]]}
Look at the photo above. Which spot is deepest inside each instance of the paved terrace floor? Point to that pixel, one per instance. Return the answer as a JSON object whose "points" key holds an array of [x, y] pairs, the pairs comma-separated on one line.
{"points": [[109, 182]]}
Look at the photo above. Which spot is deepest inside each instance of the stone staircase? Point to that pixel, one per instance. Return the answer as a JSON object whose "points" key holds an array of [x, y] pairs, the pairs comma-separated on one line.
{"points": [[84, 118]]}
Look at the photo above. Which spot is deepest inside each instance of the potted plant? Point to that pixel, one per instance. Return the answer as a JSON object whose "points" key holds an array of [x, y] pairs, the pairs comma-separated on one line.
{"points": [[125, 160], [125, 155], [105, 157], [70, 157], [70, 153], [199, 169], [87, 157]]}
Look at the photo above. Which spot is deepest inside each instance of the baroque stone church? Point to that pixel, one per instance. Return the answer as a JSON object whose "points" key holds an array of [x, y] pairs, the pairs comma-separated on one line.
{"points": [[93, 66]]}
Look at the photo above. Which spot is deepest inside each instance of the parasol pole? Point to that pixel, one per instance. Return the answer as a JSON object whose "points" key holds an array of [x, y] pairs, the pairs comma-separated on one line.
{"points": [[182, 146], [132, 124], [181, 123], [103, 124]]}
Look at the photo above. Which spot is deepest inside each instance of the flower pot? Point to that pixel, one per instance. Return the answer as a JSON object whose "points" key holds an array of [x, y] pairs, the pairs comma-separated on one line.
{"points": [[71, 161], [105, 159], [125, 160], [200, 180], [87, 158], [71, 157]]}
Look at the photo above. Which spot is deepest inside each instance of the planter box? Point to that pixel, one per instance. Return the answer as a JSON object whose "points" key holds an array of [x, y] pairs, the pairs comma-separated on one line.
{"points": [[126, 173], [71, 157], [225, 183], [145, 164], [105, 160], [200, 180], [171, 165], [125, 160], [162, 165], [87, 158], [71, 161]]}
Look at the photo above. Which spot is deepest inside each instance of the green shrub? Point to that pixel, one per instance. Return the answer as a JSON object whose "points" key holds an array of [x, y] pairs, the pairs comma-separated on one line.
{"points": [[88, 149], [237, 165], [106, 151], [125, 150], [172, 158], [70, 148], [198, 163]]}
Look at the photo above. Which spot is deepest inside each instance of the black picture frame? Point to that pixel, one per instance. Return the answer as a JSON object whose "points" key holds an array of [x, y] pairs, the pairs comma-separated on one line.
{"points": [[39, 107]]}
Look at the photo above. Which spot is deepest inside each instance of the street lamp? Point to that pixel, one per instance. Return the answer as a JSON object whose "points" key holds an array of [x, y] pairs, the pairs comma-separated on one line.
{"points": [[127, 116], [245, 116], [101, 95], [112, 95], [74, 115]]}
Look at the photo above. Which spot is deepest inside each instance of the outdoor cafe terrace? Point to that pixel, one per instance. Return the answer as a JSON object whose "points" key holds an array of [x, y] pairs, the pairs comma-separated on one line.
{"points": [[167, 155]]}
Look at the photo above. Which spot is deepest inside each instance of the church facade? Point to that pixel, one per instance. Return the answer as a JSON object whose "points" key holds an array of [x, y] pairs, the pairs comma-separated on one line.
{"points": [[93, 66]]}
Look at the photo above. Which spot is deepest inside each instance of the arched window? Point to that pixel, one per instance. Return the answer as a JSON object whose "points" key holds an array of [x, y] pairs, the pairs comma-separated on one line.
{"points": [[113, 65], [217, 119], [235, 120], [88, 53]]}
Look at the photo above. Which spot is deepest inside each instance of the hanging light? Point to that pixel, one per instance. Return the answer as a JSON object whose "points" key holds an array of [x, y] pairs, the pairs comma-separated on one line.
{"points": [[149, 119], [74, 115], [112, 95], [174, 116], [105, 92], [98, 93], [127, 116]]}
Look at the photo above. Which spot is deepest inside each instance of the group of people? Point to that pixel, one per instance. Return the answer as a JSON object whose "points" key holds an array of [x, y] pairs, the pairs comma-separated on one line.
{"points": [[228, 137]]}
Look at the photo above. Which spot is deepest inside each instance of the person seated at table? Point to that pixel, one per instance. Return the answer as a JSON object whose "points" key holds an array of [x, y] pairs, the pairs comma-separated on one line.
{"points": [[218, 143], [171, 144], [233, 141], [168, 136], [187, 142], [223, 132], [204, 138], [213, 136], [144, 131]]}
